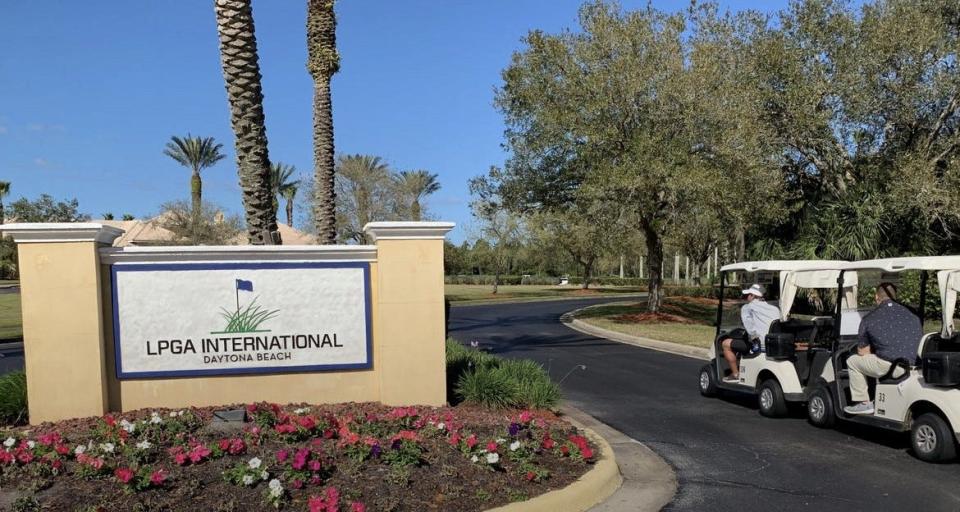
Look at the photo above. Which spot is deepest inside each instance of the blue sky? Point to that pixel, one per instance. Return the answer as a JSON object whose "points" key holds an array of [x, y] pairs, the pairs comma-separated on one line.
{"points": [[91, 91]]}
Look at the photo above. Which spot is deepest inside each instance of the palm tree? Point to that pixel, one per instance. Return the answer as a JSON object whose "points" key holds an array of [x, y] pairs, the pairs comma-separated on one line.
{"points": [[289, 193], [241, 72], [280, 185], [196, 154], [416, 185], [367, 193], [4, 191], [323, 62]]}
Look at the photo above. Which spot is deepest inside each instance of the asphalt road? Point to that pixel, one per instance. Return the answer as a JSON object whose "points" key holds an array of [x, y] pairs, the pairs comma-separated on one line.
{"points": [[727, 456]]}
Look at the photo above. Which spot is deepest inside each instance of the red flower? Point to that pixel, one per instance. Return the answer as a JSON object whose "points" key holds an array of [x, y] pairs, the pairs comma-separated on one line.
{"points": [[404, 435], [307, 422], [158, 477], [525, 416], [356, 506], [224, 444], [25, 457], [492, 447], [198, 453], [472, 441], [531, 475], [282, 456], [62, 449], [123, 474], [587, 453], [564, 450], [108, 419], [237, 446], [455, 439], [251, 408], [6, 457], [56, 464]]}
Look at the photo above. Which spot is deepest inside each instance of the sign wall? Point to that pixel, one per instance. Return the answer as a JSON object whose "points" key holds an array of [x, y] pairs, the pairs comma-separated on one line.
{"points": [[227, 318]]}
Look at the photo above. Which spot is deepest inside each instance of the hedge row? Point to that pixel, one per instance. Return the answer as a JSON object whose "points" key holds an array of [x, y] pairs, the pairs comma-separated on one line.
{"points": [[506, 279]]}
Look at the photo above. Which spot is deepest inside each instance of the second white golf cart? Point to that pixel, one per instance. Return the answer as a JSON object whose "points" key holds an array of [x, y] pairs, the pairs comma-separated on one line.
{"points": [[791, 358], [921, 395]]}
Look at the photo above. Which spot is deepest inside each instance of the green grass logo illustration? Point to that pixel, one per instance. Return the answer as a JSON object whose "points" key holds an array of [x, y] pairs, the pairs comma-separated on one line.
{"points": [[248, 319]]}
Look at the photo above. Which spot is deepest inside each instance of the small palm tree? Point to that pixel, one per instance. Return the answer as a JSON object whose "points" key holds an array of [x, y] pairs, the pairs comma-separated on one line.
{"points": [[280, 185], [417, 185], [4, 191], [196, 154], [323, 62]]}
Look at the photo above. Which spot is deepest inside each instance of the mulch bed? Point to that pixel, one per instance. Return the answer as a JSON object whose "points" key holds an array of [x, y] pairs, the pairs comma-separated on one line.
{"points": [[327, 458]]}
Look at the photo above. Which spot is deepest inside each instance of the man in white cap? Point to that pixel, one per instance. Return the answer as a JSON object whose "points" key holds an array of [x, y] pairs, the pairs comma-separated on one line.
{"points": [[756, 315]]}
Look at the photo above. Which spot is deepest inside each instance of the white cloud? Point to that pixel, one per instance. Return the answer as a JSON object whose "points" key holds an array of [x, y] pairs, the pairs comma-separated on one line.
{"points": [[40, 162]]}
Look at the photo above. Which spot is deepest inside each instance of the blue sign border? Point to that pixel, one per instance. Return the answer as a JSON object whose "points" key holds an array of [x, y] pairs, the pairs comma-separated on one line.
{"points": [[179, 267]]}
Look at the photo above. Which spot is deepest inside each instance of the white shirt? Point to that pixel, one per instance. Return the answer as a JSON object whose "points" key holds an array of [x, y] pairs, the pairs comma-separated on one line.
{"points": [[757, 315]]}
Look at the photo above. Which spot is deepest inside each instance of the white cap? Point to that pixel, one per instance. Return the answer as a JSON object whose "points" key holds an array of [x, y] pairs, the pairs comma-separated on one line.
{"points": [[756, 289]]}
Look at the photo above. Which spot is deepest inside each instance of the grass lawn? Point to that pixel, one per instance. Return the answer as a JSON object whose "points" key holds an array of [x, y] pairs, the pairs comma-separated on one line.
{"points": [[684, 320], [11, 324], [467, 293]]}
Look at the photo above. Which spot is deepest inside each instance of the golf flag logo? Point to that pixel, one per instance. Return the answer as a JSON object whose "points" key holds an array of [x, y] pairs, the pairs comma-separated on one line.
{"points": [[248, 319]]}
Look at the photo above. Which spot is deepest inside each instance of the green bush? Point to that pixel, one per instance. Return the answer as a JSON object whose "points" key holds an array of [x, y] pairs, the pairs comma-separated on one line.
{"points": [[476, 377], [487, 279], [13, 398]]}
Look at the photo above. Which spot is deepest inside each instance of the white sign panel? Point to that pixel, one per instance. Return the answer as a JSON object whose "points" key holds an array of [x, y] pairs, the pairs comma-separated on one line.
{"points": [[185, 319]]}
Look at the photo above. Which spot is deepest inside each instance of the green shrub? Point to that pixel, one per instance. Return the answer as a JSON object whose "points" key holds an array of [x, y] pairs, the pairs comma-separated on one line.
{"points": [[489, 387], [479, 378], [13, 397]]}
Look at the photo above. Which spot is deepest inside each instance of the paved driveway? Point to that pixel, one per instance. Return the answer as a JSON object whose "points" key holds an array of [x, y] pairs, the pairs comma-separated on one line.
{"points": [[726, 455]]}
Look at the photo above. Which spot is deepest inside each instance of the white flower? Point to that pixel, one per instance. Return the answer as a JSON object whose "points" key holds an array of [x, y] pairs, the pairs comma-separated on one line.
{"points": [[155, 418], [501, 440], [180, 413], [264, 475], [276, 488], [144, 445], [254, 463], [10, 442], [302, 410], [247, 479], [31, 444], [129, 427], [474, 459], [441, 426], [514, 446], [493, 458], [107, 447], [79, 449], [173, 414]]}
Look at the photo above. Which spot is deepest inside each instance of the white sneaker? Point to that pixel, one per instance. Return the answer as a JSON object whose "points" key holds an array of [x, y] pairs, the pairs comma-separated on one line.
{"points": [[861, 408], [730, 379]]}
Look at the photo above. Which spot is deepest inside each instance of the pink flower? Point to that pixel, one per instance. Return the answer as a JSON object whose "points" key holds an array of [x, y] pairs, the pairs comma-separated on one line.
{"points": [[531, 475], [525, 416], [157, 477], [25, 457], [251, 408], [297, 484], [237, 446], [180, 458], [455, 439], [124, 475], [282, 456], [300, 459], [356, 506], [315, 465], [472, 441], [6, 457], [224, 444], [198, 453], [492, 446], [307, 422]]}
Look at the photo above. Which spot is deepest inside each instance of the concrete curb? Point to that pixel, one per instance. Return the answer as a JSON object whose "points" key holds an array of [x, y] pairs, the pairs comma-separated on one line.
{"points": [[639, 341], [16, 346], [590, 489], [649, 482]]}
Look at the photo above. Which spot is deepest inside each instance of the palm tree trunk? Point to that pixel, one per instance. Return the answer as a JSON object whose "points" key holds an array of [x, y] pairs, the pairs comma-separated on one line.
{"points": [[241, 71], [290, 212], [322, 63], [415, 210], [196, 189], [323, 152], [2, 214]]}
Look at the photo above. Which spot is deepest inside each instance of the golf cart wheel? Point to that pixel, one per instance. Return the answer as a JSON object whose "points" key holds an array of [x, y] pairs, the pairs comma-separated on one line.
{"points": [[708, 381], [770, 399], [820, 411], [932, 439]]}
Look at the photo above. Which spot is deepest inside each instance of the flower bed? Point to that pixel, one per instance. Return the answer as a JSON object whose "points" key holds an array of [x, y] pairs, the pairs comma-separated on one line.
{"points": [[348, 457]]}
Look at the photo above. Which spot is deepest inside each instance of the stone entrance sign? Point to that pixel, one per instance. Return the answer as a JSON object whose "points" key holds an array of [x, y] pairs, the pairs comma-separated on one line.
{"points": [[117, 329]]}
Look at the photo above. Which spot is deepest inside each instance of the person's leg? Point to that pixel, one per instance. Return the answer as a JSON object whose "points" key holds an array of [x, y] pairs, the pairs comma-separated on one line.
{"points": [[859, 368], [731, 357]]}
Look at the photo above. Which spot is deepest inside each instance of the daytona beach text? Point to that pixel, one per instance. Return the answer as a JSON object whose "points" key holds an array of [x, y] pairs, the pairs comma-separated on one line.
{"points": [[243, 344]]}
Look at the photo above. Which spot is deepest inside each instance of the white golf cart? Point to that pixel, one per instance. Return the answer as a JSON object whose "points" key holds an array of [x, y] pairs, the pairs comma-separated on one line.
{"points": [[922, 395], [797, 348]]}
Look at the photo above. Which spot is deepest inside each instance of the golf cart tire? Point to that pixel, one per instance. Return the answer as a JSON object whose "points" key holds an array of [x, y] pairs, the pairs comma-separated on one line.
{"points": [[708, 381], [931, 438], [770, 399], [820, 411]]}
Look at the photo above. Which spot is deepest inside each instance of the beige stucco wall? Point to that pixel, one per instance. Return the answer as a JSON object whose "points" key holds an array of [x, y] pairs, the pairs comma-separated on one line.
{"points": [[62, 330], [69, 345]]}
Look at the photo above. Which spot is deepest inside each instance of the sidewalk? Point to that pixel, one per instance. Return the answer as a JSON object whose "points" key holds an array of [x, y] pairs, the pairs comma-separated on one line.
{"points": [[649, 483]]}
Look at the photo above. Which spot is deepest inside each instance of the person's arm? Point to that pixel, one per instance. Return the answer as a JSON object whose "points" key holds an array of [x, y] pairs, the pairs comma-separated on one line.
{"points": [[863, 338], [749, 321]]}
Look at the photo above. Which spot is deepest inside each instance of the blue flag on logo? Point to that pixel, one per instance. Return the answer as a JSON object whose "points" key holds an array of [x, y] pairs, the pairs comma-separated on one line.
{"points": [[244, 285]]}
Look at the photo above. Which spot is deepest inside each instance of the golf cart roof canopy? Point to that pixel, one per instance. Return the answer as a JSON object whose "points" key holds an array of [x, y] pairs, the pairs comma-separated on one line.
{"points": [[909, 263], [780, 265]]}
